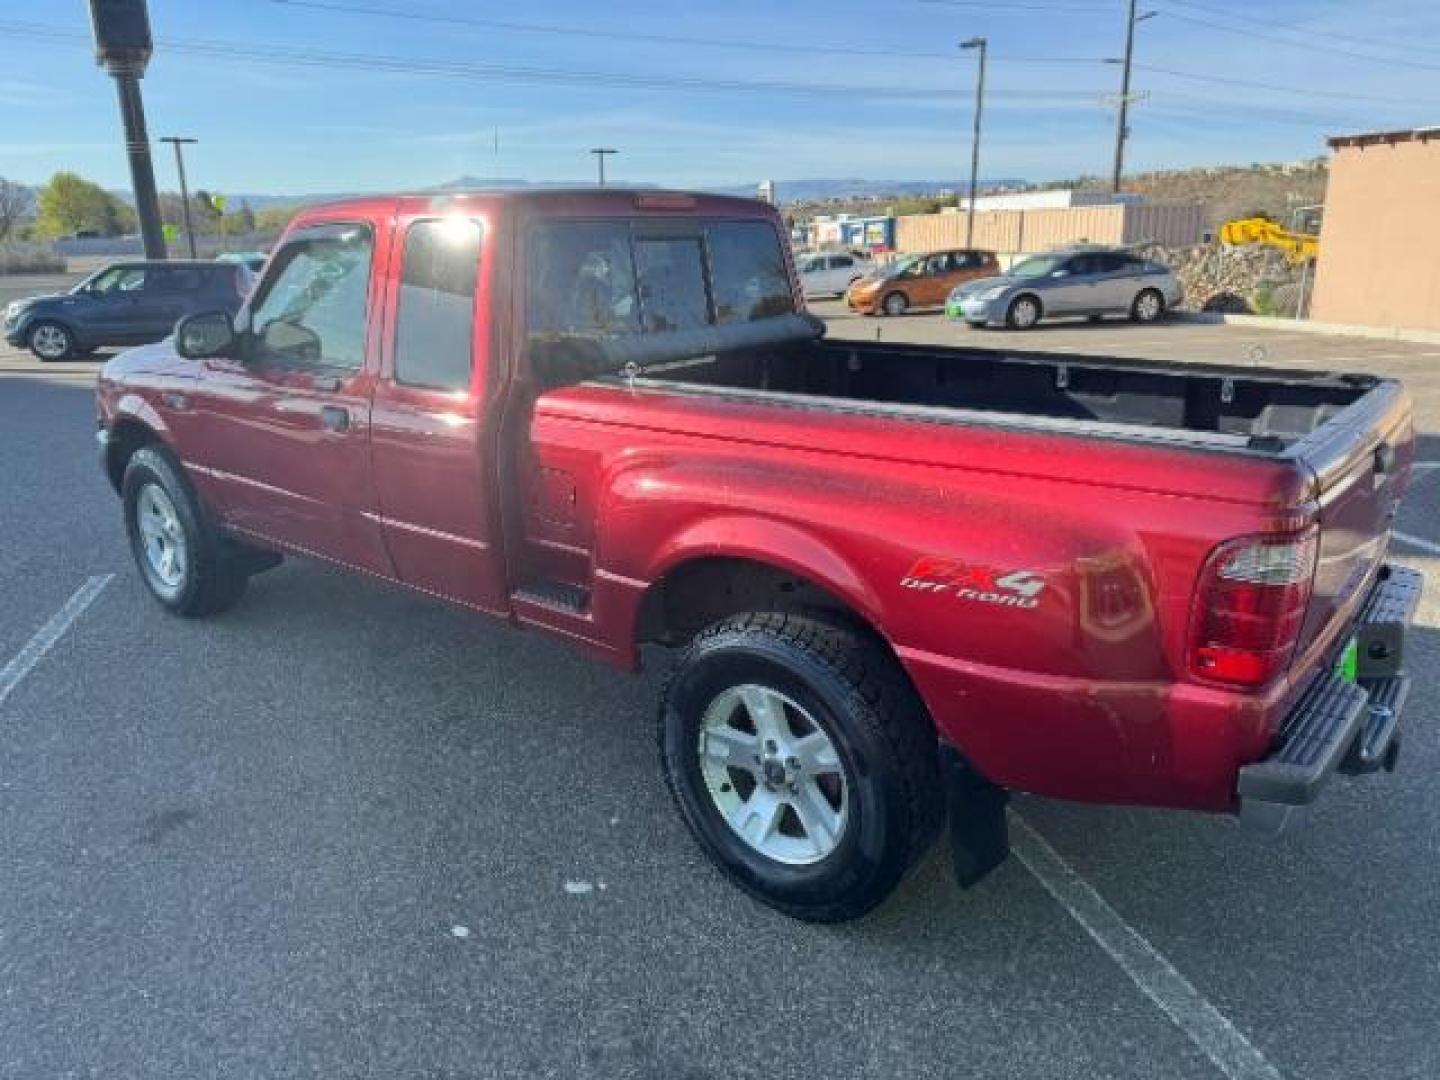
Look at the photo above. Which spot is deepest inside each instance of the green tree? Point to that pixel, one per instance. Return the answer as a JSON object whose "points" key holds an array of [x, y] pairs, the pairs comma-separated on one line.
{"points": [[69, 203], [273, 219]]}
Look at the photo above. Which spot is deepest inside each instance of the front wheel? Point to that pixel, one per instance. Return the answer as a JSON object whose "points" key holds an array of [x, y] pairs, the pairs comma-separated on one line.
{"points": [[1149, 306], [51, 341], [179, 556], [802, 762], [897, 303], [1023, 313]]}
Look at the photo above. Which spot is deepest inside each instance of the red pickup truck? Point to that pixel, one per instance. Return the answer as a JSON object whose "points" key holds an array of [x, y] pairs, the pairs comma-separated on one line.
{"points": [[902, 581]]}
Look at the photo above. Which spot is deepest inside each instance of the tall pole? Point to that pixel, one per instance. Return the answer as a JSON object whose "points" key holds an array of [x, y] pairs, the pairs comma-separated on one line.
{"points": [[600, 153], [1122, 123], [142, 171], [981, 44], [177, 142]]}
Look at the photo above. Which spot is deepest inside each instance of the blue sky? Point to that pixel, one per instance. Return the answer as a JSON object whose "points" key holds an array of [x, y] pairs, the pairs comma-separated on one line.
{"points": [[268, 123]]}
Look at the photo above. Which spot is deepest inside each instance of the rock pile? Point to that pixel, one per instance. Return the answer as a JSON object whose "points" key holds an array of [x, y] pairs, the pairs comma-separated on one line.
{"points": [[1254, 279]]}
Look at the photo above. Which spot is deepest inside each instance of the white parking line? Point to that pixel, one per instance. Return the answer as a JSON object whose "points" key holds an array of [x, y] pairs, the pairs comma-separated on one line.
{"points": [[49, 634], [1190, 1011], [1416, 541]]}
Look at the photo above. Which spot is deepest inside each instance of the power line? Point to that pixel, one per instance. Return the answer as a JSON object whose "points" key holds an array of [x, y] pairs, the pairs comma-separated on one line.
{"points": [[1022, 5], [1300, 31], [275, 54], [1255, 35], [373, 11], [1225, 80]]}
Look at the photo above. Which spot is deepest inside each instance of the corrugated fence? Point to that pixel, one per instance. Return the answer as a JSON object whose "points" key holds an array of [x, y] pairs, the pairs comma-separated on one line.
{"points": [[1011, 232]]}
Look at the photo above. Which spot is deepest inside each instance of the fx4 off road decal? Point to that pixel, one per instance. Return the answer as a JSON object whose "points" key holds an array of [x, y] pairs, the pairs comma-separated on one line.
{"points": [[981, 584]]}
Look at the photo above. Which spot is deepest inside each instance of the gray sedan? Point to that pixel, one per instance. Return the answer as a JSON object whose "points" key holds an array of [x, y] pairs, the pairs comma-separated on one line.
{"points": [[1064, 284]]}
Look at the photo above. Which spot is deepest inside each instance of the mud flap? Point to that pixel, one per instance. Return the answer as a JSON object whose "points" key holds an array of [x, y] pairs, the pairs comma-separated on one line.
{"points": [[979, 831]]}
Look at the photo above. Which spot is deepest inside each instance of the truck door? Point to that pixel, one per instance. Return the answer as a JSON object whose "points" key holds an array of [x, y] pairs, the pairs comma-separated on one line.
{"points": [[433, 415], [286, 449]]}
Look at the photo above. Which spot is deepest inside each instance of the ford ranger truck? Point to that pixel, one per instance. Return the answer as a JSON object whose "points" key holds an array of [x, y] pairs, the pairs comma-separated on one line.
{"points": [[900, 581]]}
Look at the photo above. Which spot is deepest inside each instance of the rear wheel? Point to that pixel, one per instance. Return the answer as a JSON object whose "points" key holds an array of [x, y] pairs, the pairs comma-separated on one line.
{"points": [[802, 762], [897, 303], [1023, 313], [181, 559], [1149, 306], [51, 341]]}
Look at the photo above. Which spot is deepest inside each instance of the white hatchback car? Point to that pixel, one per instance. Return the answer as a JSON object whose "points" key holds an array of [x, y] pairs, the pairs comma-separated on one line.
{"points": [[831, 273]]}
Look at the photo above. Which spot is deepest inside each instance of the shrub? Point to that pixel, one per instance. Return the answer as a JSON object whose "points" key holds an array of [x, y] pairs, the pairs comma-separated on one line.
{"points": [[30, 259]]}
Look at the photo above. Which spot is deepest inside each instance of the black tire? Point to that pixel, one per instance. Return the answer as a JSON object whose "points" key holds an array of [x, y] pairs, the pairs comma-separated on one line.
{"points": [[44, 352], [973, 325], [1148, 306], [1016, 317], [895, 303], [209, 581], [859, 697]]}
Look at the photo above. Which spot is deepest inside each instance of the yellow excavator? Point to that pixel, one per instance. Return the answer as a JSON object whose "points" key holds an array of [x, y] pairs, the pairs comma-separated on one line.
{"points": [[1299, 247]]}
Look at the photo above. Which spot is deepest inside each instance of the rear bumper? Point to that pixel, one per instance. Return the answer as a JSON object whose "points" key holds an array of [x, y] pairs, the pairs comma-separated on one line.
{"points": [[1339, 726]]}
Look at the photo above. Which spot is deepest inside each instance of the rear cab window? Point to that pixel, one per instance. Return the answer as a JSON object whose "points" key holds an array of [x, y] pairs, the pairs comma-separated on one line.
{"points": [[589, 281]]}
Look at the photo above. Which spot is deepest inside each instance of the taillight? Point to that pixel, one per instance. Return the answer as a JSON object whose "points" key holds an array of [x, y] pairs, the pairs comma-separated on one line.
{"points": [[1250, 607]]}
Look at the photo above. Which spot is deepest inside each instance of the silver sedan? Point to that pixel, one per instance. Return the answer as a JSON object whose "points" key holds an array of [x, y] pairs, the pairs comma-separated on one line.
{"points": [[1064, 284]]}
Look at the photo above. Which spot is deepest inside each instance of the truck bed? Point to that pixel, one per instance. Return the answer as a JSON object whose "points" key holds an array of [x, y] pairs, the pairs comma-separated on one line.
{"points": [[1257, 408]]}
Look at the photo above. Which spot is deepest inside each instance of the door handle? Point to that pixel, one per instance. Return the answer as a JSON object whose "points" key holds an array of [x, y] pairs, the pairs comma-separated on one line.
{"points": [[172, 400], [334, 418]]}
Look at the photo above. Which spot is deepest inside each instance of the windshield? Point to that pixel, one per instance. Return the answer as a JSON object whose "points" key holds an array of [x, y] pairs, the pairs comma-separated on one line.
{"points": [[1037, 266]]}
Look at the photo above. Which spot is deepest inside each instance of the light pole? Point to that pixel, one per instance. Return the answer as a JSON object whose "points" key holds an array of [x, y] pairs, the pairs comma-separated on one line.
{"points": [[1122, 128], [123, 47], [600, 153], [981, 44], [178, 141]]}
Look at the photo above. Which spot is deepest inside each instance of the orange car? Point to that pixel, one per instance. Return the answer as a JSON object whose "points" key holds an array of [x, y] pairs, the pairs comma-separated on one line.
{"points": [[914, 281]]}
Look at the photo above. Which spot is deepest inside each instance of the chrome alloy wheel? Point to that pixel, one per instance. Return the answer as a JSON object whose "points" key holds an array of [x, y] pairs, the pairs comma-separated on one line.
{"points": [[774, 775], [162, 536], [1148, 306], [1026, 313], [50, 342]]}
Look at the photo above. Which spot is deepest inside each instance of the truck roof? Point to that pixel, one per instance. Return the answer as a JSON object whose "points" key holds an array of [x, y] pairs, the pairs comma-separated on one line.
{"points": [[610, 200]]}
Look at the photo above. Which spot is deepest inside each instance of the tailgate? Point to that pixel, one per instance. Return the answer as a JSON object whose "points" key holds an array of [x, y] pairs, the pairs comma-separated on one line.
{"points": [[1361, 461]]}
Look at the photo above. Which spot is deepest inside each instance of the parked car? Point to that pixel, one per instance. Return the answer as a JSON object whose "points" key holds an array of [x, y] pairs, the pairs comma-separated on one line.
{"points": [[254, 261], [830, 273], [902, 580], [1063, 284], [918, 281], [127, 303]]}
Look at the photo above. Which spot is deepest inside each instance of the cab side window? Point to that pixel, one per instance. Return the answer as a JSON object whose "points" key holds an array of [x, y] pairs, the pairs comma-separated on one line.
{"points": [[313, 311], [434, 315]]}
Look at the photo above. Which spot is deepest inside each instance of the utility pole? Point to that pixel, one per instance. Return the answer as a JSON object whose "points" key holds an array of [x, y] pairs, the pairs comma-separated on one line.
{"points": [[178, 141], [981, 44], [1122, 125], [123, 48], [600, 153]]}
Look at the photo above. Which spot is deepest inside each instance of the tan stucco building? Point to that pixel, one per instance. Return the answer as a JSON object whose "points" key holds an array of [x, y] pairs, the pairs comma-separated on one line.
{"points": [[1379, 259]]}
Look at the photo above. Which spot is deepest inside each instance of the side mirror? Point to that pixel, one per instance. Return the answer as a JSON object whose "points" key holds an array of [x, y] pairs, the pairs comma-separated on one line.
{"points": [[208, 333]]}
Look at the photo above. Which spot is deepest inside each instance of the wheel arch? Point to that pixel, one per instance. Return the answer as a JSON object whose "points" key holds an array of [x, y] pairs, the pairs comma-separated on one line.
{"points": [[1028, 294], [136, 424]]}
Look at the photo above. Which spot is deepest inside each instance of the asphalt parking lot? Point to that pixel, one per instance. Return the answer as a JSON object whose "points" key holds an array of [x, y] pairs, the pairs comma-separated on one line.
{"points": [[343, 831]]}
